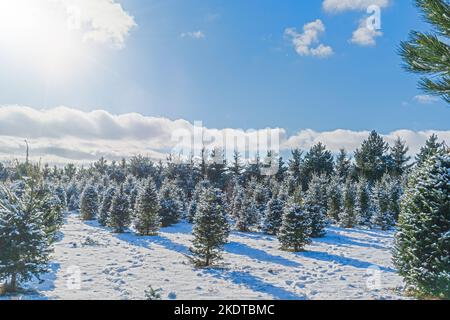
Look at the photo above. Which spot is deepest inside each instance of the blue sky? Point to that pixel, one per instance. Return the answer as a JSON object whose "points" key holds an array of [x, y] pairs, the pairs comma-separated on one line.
{"points": [[230, 64]]}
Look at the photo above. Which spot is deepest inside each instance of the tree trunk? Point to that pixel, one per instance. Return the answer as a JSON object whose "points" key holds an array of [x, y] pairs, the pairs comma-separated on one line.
{"points": [[12, 287]]}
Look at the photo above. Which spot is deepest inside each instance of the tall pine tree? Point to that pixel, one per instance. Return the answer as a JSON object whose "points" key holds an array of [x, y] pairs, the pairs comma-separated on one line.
{"points": [[422, 242]]}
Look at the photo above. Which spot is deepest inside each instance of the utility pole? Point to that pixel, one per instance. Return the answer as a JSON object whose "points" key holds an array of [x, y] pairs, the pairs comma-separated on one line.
{"points": [[27, 155]]}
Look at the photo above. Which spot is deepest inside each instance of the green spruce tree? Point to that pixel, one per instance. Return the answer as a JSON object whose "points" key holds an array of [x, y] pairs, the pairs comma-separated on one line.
{"points": [[89, 203], [295, 229], [24, 244], [383, 217], [119, 216], [170, 205], [105, 207], [273, 216], [363, 207], [422, 241], [334, 195], [211, 229], [315, 205], [347, 218], [147, 221]]}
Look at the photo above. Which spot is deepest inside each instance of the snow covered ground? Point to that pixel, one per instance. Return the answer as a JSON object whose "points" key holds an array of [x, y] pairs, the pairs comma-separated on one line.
{"points": [[90, 262]]}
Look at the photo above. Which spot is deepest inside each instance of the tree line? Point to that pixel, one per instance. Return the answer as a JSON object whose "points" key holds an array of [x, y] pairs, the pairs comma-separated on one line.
{"points": [[309, 192]]}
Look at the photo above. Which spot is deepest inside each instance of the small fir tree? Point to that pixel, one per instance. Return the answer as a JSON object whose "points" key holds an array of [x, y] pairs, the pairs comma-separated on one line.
{"points": [[105, 208], [315, 205], [170, 207], [295, 229], [211, 229], [274, 216], [119, 216], [347, 218], [147, 212], [363, 208], [89, 203]]}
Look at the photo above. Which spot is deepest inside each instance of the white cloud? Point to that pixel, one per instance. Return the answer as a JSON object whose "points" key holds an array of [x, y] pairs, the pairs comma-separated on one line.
{"points": [[103, 21], [304, 42], [425, 99], [347, 5], [193, 34], [64, 134], [364, 35]]}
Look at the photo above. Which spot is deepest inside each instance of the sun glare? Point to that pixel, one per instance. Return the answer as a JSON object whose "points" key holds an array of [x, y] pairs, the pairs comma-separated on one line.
{"points": [[38, 35]]}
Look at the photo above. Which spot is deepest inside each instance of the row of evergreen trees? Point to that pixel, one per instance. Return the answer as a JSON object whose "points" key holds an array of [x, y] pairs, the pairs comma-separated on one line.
{"points": [[296, 204]]}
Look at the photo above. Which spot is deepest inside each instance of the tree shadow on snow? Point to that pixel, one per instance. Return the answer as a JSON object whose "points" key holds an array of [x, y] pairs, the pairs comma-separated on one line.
{"points": [[323, 256], [333, 237], [371, 233], [254, 283], [146, 241], [182, 228], [260, 255], [254, 236]]}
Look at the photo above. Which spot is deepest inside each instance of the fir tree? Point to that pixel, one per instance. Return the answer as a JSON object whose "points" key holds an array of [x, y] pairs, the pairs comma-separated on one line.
{"points": [[395, 194], [147, 215], [318, 160], [371, 158], [105, 207], [24, 245], [334, 194], [247, 216], [211, 228], [315, 205], [74, 203], [170, 207], [347, 218], [216, 169], [236, 165], [195, 198], [295, 164], [428, 53], [382, 217], [343, 165], [89, 203], [133, 197], [363, 208], [261, 195], [119, 216], [238, 201], [62, 196], [431, 148], [273, 216], [52, 213], [399, 158], [422, 243], [295, 229]]}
